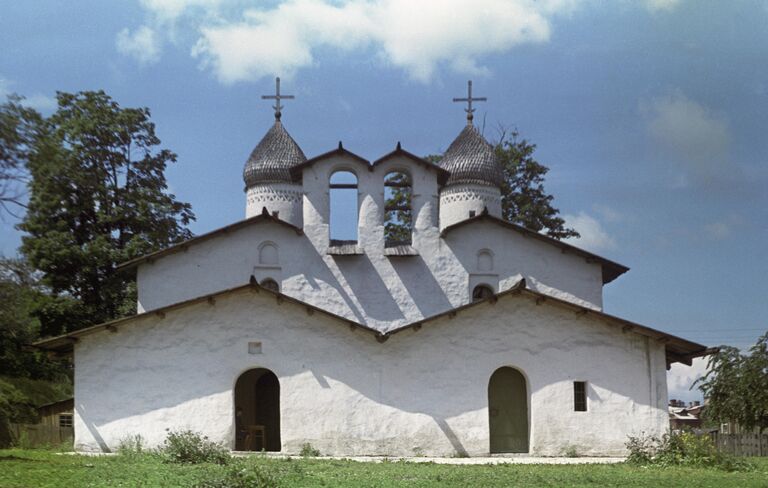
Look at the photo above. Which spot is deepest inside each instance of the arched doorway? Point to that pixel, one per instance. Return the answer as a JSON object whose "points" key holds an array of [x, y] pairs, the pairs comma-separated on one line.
{"points": [[508, 411], [257, 411]]}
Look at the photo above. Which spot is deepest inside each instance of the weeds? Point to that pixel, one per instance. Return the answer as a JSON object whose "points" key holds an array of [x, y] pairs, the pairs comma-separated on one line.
{"points": [[685, 449]]}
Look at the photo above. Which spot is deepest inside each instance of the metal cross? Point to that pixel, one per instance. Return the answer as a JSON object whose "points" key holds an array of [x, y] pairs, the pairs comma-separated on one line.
{"points": [[469, 101], [277, 96]]}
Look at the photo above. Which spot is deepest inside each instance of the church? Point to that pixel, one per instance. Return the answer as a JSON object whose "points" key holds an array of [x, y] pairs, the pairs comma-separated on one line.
{"points": [[373, 308]]}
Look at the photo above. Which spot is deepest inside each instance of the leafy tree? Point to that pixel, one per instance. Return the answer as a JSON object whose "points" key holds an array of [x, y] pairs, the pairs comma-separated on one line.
{"points": [[736, 386], [98, 197], [18, 126], [524, 200], [398, 221]]}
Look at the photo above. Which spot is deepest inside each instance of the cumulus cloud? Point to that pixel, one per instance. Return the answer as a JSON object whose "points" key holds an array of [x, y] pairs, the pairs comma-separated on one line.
{"points": [[694, 138], [593, 236], [143, 44], [680, 377], [246, 43]]}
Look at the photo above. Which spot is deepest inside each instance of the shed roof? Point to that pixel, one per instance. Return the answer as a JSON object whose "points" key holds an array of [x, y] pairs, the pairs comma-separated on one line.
{"points": [[264, 216], [677, 349], [611, 269]]}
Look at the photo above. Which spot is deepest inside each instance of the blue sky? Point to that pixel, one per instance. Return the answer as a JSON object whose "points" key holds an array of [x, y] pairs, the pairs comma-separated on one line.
{"points": [[649, 113]]}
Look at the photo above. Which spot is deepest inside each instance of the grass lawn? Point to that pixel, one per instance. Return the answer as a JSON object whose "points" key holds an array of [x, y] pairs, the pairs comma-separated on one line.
{"points": [[40, 468]]}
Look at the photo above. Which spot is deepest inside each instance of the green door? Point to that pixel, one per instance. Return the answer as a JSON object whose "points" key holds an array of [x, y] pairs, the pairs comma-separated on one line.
{"points": [[508, 411]]}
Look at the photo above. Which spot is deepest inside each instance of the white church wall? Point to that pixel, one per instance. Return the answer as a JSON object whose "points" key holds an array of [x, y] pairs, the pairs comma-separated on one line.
{"points": [[377, 290], [420, 392]]}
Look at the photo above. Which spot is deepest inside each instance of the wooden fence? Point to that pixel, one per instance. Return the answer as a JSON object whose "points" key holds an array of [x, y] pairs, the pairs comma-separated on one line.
{"points": [[41, 435], [741, 444]]}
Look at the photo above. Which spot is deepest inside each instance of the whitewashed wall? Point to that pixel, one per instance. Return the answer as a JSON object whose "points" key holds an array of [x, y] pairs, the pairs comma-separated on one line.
{"points": [[380, 291], [420, 392]]}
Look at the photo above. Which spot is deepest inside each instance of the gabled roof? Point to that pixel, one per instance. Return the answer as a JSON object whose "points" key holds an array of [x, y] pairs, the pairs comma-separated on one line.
{"points": [[677, 349], [611, 269], [264, 216], [442, 174], [339, 151]]}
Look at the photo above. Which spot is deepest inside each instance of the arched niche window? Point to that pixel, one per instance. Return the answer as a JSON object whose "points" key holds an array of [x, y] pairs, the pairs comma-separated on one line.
{"points": [[481, 292], [343, 208], [484, 260], [398, 212], [270, 284], [268, 253]]}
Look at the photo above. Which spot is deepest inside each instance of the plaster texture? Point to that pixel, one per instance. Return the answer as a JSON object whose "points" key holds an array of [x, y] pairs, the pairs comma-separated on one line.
{"points": [[281, 198], [377, 290], [420, 393], [459, 202]]}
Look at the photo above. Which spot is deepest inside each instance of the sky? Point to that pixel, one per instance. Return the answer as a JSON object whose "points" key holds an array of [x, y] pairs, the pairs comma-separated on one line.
{"points": [[650, 115]]}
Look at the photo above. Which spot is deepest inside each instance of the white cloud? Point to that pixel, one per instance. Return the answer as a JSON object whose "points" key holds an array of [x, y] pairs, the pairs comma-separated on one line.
{"points": [[680, 377], [696, 139], [242, 44], [143, 44], [661, 5], [38, 101], [593, 235]]}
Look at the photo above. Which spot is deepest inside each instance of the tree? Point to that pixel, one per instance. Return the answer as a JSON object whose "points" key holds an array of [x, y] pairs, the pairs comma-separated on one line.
{"points": [[98, 197], [736, 386], [18, 126], [523, 198]]}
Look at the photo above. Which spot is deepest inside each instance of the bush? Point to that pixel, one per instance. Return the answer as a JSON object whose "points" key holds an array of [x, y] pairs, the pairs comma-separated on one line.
{"points": [[308, 451], [240, 476], [685, 449], [188, 447], [132, 446]]}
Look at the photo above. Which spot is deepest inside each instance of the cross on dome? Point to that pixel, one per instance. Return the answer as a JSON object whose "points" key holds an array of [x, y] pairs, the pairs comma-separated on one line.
{"points": [[277, 97], [469, 99]]}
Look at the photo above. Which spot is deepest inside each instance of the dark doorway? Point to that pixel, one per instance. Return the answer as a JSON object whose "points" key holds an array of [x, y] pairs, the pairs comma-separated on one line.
{"points": [[508, 411], [257, 411]]}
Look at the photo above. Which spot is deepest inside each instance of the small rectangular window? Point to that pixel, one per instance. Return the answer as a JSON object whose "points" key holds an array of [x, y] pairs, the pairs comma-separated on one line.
{"points": [[580, 396], [65, 420]]}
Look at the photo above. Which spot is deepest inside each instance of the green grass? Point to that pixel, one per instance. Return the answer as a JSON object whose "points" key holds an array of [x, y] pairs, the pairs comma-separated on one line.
{"points": [[40, 468]]}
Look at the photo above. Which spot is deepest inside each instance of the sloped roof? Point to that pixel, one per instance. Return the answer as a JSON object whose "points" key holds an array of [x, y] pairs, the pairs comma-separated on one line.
{"points": [[264, 216], [677, 349], [339, 151], [273, 157], [611, 269], [442, 174], [471, 159]]}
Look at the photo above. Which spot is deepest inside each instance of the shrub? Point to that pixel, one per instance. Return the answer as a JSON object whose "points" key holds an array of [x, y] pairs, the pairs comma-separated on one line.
{"points": [[308, 451], [240, 476], [685, 449], [131, 446], [188, 447], [570, 451]]}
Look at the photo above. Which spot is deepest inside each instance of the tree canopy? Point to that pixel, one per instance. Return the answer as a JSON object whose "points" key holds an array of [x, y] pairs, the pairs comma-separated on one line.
{"points": [[97, 197], [18, 127], [736, 386]]}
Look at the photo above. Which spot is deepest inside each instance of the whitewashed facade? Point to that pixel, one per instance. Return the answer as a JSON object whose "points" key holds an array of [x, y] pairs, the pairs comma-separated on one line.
{"points": [[376, 352]]}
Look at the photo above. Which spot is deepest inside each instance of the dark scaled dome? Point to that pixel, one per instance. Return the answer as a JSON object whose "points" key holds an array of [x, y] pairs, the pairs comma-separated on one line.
{"points": [[272, 158], [471, 159]]}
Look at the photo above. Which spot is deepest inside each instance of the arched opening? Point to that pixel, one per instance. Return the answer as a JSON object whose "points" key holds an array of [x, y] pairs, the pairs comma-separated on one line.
{"points": [[508, 411], [268, 254], [343, 208], [484, 260], [481, 292], [398, 213], [270, 284], [257, 411]]}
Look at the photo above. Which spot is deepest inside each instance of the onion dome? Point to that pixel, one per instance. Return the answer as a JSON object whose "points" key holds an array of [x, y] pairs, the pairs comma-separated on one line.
{"points": [[471, 159], [273, 157]]}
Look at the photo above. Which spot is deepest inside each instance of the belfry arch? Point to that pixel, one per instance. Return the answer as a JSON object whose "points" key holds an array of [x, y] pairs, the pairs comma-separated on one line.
{"points": [[257, 411]]}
